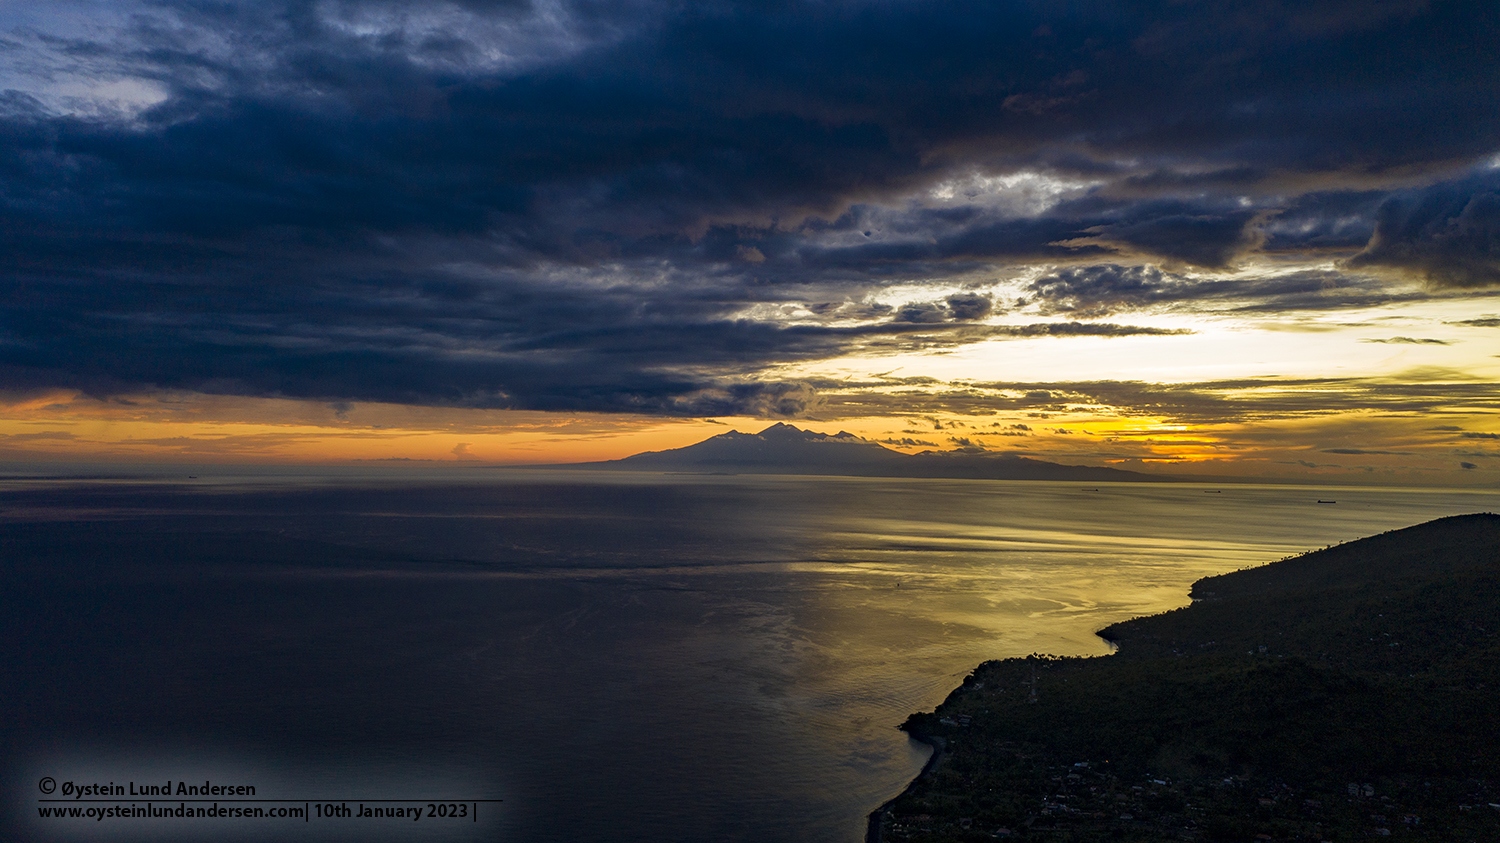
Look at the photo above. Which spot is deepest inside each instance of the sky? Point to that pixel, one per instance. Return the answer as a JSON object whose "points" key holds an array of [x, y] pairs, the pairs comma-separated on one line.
{"points": [[1240, 237]]}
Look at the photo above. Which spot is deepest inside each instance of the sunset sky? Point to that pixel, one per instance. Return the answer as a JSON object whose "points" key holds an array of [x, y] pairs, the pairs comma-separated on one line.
{"points": [[1241, 237]]}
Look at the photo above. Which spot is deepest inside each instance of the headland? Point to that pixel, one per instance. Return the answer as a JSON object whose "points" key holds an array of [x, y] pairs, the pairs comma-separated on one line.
{"points": [[1344, 694]]}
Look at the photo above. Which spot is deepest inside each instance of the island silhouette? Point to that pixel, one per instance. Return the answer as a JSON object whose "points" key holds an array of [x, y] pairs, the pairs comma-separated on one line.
{"points": [[786, 449]]}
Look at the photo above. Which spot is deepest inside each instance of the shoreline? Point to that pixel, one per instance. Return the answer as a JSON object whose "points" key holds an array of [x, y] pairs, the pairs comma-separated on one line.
{"points": [[876, 819], [1279, 700], [874, 831]]}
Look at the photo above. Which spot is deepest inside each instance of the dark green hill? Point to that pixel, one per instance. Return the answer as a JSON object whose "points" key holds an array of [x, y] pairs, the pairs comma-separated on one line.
{"points": [[1344, 694], [1445, 546]]}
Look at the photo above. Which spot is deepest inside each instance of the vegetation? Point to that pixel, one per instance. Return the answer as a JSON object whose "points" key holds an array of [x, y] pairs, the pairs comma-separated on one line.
{"points": [[1341, 695]]}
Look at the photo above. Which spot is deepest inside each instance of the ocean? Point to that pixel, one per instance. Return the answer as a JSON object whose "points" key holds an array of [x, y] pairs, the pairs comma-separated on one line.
{"points": [[559, 655]]}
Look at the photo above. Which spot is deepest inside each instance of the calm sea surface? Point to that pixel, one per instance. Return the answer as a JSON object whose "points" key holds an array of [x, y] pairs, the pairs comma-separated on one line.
{"points": [[617, 657]]}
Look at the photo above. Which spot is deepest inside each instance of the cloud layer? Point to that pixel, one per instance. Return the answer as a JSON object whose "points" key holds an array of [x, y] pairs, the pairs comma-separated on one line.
{"points": [[647, 206]]}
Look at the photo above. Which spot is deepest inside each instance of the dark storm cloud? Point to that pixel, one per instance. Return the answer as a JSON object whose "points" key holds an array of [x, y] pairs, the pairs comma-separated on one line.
{"points": [[963, 307], [499, 342], [1105, 288], [1102, 289], [932, 242], [497, 204], [1178, 234], [922, 313], [1200, 234], [1239, 401], [970, 306], [1448, 234], [1337, 223]]}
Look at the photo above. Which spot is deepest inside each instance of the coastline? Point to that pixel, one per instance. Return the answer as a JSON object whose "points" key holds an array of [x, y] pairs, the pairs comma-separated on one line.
{"points": [[874, 824], [1279, 704]]}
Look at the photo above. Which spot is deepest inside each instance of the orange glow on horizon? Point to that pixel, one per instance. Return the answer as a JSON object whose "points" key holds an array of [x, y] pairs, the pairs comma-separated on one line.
{"points": [[202, 428], [196, 428]]}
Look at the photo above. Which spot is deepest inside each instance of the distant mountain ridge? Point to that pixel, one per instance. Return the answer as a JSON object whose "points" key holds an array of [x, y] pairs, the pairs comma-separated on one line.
{"points": [[785, 449]]}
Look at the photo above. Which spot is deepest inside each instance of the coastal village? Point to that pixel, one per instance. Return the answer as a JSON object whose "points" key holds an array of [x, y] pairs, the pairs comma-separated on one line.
{"points": [[1274, 708], [1088, 800]]}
